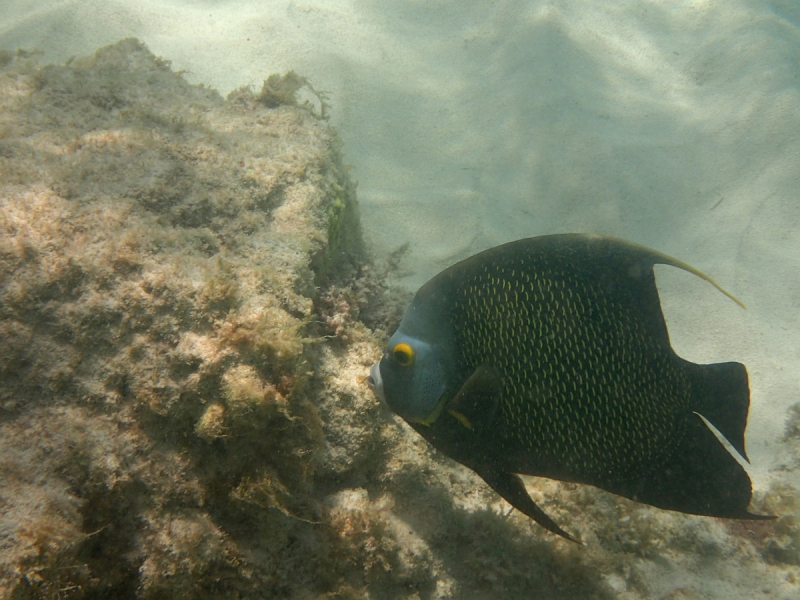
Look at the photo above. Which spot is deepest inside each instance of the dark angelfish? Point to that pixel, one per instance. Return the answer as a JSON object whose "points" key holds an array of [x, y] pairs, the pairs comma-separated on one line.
{"points": [[549, 356]]}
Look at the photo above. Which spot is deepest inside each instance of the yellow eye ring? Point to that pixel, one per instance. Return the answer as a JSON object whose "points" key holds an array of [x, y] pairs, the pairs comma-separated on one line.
{"points": [[403, 354]]}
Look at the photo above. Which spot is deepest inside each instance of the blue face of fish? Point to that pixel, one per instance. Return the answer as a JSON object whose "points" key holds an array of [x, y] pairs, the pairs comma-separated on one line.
{"points": [[416, 371]]}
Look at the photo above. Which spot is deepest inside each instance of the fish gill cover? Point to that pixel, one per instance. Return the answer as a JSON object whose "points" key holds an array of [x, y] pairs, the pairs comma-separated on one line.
{"points": [[184, 301]]}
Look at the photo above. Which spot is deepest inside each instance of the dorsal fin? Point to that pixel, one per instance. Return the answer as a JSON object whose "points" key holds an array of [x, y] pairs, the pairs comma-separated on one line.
{"points": [[659, 258]]}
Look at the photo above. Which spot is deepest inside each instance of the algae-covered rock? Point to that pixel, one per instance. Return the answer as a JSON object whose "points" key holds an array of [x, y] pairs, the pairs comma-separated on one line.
{"points": [[160, 257]]}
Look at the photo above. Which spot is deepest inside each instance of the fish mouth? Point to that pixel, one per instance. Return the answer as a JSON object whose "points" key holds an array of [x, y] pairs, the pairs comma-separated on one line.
{"points": [[375, 382]]}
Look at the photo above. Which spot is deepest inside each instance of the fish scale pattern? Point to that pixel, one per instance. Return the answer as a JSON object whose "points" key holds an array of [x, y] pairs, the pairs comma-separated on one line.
{"points": [[587, 390]]}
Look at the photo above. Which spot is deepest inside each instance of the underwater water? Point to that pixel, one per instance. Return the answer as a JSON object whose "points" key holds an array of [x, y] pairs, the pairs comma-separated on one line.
{"points": [[183, 407]]}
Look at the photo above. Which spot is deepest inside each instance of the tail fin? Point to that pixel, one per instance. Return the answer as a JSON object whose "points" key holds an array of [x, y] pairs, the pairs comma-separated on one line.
{"points": [[723, 397], [702, 477]]}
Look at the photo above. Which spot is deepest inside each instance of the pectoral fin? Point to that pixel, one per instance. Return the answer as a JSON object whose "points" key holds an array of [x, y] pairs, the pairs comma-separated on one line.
{"points": [[513, 491], [477, 402]]}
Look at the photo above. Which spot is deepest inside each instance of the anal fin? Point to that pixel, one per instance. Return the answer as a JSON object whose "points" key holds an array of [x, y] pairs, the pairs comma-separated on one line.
{"points": [[512, 489], [700, 478]]}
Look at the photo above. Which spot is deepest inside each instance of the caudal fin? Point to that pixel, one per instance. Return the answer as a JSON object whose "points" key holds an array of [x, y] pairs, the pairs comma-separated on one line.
{"points": [[701, 477], [722, 393]]}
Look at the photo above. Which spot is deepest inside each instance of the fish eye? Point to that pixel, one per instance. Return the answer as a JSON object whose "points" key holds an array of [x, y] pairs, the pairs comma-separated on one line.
{"points": [[403, 354]]}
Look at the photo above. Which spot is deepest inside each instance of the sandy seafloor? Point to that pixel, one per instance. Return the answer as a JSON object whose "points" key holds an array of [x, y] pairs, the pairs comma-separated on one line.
{"points": [[675, 124]]}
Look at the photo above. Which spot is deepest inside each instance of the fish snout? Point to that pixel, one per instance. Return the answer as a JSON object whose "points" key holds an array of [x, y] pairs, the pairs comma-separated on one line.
{"points": [[375, 382]]}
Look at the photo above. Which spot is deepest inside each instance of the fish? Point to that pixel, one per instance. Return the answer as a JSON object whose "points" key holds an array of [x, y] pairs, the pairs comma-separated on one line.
{"points": [[549, 356]]}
